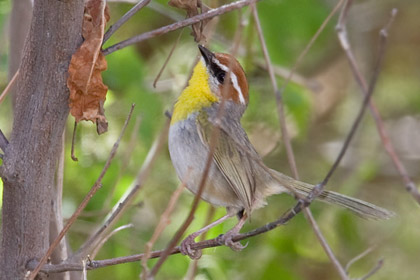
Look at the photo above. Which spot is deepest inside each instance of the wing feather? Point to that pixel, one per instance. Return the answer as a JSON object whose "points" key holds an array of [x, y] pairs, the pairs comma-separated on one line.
{"points": [[234, 164]]}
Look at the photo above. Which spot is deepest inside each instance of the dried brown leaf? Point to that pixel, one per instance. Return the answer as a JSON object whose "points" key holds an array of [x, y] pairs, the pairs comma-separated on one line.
{"points": [[87, 90]]}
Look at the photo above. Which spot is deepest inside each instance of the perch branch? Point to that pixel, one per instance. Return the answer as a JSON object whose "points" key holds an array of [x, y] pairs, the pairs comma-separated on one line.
{"points": [[210, 243]]}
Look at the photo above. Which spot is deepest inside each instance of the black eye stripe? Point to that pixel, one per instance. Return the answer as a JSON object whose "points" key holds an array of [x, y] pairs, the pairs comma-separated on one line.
{"points": [[217, 72]]}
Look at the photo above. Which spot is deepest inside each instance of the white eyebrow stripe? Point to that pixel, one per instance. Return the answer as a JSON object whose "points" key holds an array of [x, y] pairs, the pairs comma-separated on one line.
{"points": [[233, 78]]}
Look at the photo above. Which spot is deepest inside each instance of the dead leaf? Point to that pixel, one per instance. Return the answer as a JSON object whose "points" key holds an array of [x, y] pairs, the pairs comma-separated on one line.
{"points": [[87, 90], [193, 8]]}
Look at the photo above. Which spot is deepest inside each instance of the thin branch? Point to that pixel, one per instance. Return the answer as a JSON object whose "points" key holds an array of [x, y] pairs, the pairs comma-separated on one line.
{"points": [[127, 198], [167, 58], [9, 86], [189, 21], [192, 268], [85, 201], [373, 271], [125, 160], [124, 18], [108, 236], [285, 134], [285, 73], [3, 141], [210, 243], [309, 45], [358, 257], [164, 221], [372, 84], [279, 98], [343, 38]]}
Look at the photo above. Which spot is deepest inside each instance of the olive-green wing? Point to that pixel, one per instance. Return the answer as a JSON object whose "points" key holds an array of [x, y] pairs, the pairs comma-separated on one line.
{"points": [[235, 165]]}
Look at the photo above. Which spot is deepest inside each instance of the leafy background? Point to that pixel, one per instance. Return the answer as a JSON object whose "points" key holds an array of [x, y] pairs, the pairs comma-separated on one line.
{"points": [[320, 109]]}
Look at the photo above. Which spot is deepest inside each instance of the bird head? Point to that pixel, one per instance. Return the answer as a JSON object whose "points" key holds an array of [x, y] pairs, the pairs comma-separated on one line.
{"points": [[225, 76], [216, 76]]}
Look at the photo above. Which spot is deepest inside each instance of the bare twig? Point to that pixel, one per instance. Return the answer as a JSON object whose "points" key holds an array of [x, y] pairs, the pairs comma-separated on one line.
{"points": [[164, 221], [85, 201], [127, 198], [285, 134], [73, 141], [375, 269], [285, 73], [343, 38], [3, 141], [125, 159], [369, 92], [280, 107], [309, 45], [189, 21], [211, 243], [124, 18], [358, 257], [108, 236], [192, 268], [167, 58], [9, 86]]}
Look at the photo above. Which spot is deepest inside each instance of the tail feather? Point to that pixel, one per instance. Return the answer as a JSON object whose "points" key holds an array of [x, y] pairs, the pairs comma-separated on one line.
{"points": [[359, 207]]}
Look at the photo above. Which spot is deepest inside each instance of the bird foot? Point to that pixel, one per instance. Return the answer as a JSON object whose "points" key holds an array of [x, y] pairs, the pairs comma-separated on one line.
{"points": [[186, 249], [226, 239]]}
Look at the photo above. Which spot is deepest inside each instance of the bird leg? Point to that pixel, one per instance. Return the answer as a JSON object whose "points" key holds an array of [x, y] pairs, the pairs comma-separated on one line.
{"points": [[185, 247], [227, 237]]}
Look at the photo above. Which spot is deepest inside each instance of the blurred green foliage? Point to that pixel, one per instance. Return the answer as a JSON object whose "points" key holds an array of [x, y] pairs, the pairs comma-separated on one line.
{"points": [[318, 118]]}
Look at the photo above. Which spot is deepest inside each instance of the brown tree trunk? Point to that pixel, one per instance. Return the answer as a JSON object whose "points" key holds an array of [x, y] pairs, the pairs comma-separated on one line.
{"points": [[40, 114], [20, 20]]}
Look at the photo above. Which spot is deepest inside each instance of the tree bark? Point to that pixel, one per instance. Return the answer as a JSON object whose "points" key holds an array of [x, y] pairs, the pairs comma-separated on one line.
{"points": [[40, 114], [20, 20]]}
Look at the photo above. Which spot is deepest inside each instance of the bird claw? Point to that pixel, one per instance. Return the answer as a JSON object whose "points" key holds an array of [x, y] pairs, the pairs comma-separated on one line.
{"points": [[186, 249], [226, 239]]}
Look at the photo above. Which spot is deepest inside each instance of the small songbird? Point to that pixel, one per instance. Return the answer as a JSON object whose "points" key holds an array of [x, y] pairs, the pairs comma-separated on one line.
{"points": [[237, 178]]}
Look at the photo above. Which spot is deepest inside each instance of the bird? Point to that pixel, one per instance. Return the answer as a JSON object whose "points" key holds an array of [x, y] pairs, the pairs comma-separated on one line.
{"points": [[215, 99]]}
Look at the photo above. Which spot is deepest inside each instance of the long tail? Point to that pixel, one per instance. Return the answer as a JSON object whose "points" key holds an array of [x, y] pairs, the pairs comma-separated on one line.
{"points": [[359, 207]]}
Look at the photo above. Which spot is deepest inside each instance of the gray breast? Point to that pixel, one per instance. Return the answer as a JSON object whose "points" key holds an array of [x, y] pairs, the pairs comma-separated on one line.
{"points": [[189, 156]]}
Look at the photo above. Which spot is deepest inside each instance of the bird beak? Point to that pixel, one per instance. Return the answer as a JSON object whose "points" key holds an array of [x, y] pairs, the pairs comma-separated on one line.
{"points": [[206, 54]]}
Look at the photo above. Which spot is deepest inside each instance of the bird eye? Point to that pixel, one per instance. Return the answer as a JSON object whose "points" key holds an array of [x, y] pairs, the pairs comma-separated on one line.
{"points": [[220, 76]]}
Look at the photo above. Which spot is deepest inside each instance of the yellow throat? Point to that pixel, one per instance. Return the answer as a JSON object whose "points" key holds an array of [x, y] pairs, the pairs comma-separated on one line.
{"points": [[195, 96]]}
